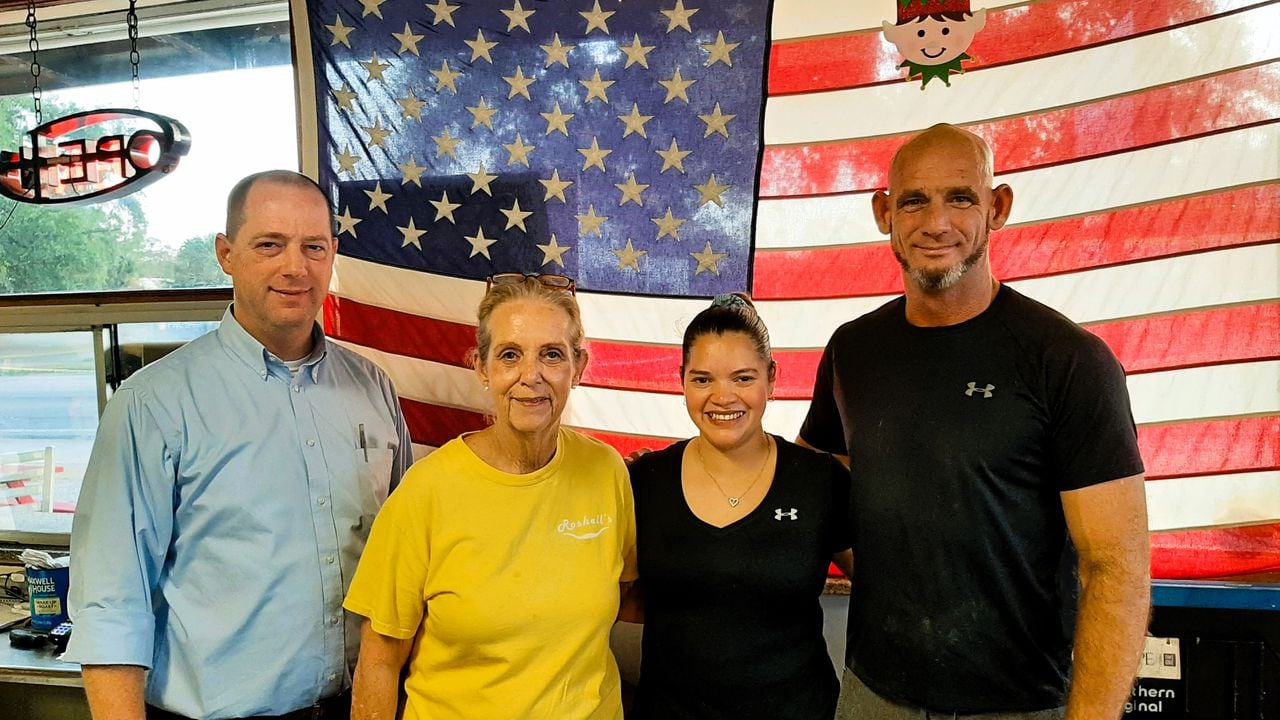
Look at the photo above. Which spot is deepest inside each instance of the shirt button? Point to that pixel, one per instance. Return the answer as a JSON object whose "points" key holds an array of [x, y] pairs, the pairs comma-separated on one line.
{"points": [[333, 677], [297, 389], [322, 501], [333, 620], [311, 443], [329, 559]]}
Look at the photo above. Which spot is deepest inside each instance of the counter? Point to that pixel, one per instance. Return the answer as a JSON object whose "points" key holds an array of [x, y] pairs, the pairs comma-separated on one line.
{"points": [[34, 685]]}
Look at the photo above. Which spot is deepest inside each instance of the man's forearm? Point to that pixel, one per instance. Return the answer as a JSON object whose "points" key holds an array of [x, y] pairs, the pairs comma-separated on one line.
{"points": [[115, 692], [1111, 622]]}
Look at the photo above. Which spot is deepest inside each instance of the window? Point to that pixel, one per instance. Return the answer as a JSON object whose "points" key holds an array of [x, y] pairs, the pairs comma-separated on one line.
{"points": [[230, 84]]}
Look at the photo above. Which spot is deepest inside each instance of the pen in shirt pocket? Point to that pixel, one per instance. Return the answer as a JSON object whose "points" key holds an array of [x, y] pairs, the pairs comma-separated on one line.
{"points": [[364, 446]]}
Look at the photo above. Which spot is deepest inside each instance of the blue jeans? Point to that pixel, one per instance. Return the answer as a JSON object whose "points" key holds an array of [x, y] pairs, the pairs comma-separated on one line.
{"points": [[858, 702]]}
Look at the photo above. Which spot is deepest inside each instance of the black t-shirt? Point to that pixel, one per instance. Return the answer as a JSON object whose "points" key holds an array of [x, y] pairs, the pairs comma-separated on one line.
{"points": [[960, 440], [733, 624]]}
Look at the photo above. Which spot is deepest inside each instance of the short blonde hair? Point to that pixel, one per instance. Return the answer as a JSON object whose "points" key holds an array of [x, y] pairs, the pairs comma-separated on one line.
{"points": [[530, 289]]}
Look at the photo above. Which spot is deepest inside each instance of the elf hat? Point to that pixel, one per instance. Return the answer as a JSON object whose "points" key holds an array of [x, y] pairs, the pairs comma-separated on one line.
{"points": [[912, 9]]}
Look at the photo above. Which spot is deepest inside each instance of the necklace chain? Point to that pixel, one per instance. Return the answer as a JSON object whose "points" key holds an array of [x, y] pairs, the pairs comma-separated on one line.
{"points": [[735, 500]]}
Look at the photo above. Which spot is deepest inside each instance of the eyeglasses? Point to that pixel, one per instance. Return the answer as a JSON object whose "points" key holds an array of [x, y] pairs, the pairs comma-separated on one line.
{"points": [[550, 282]]}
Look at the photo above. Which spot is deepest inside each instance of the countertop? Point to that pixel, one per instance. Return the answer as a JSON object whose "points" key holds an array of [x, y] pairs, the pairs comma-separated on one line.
{"points": [[35, 667]]}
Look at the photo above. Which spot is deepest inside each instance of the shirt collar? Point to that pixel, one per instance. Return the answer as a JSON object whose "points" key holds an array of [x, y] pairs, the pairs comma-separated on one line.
{"points": [[248, 350]]}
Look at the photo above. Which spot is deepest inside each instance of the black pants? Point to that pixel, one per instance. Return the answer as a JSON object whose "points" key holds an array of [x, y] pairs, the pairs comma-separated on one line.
{"points": [[337, 707]]}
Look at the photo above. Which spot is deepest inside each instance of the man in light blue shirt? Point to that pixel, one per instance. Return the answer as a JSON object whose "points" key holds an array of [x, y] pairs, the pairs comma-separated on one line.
{"points": [[230, 491]]}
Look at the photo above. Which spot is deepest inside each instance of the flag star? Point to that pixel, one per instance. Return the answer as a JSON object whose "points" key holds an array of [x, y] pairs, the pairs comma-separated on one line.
{"points": [[679, 17], [720, 50], [596, 18], [412, 172], [371, 7], [341, 33], [519, 84], [515, 216], [636, 53], [375, 67], [596, 87], [480, 244], [480, 47], [411, 235], [443, 12], [518, 152], [554, 252], [710, 192], [635, 122], [631, 190], [677, 87], [517, 16], [347, 223], [717, 122], [480, 181], [345, 97], [590, 222], [377, 134], [555, 186], [347, 161], [594, 155], [444, 208], [708, 260], [408, 40], [446, 144], [557, 120], [410, 106], [668, 225], [445, 77], [673, 157], [557, 52], [482, 114], [629, 256], [377, 198]]}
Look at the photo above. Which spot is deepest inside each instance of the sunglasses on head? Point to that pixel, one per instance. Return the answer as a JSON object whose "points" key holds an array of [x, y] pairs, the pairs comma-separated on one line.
{"points": [[550, 282]]}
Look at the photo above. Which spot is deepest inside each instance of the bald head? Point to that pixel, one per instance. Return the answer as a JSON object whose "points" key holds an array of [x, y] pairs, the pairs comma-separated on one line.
{"points": [[943, 139]]}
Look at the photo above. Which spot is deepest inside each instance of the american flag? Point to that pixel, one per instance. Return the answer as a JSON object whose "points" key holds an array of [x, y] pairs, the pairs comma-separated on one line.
{"points": [[1141, 139]]}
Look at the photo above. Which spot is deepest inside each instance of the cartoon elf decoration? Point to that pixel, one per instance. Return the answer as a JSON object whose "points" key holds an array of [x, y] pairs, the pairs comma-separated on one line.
{"points": [[933, 35]]}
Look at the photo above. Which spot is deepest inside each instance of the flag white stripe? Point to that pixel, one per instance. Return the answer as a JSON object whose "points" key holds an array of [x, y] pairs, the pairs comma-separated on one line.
{"points": [[1220, 277], [809, 18], [1215, 391], [1210, 391], [1200, 165], [1220, 44], [1213, 501]]}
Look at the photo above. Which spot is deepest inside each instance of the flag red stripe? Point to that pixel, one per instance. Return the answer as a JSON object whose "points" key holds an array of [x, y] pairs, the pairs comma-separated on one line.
{"points": [[1127, 122], [1212, 447], [1217, 553], [1023, 32], [1232, 218], [1239, 333], [436, 425]]}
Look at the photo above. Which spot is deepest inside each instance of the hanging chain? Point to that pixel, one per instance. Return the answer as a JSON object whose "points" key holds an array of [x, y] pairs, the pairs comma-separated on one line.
{"points": [[34, 44], [132, 21]]}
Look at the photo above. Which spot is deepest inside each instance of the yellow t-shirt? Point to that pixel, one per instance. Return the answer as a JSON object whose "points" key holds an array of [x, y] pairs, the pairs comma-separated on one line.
{"points": [[508, 582]]}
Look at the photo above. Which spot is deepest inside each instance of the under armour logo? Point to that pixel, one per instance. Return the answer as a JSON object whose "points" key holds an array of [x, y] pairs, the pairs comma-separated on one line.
{"points": [[973, 388], [793, 515]]}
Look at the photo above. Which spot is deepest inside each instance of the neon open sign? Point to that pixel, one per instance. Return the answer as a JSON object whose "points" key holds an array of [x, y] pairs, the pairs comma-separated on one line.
{"points": [[66, 162]]}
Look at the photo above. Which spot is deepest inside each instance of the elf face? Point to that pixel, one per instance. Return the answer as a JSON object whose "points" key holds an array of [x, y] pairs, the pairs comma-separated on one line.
{"points": [[926, 41]]}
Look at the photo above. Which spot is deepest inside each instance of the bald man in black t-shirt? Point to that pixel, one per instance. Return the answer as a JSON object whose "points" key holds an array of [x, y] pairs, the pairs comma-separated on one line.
{"points": [[998, 508]]}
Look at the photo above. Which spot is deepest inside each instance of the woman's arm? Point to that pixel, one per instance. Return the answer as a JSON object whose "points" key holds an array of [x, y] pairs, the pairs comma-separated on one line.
{"points": [[375, 688], [631, 609]]}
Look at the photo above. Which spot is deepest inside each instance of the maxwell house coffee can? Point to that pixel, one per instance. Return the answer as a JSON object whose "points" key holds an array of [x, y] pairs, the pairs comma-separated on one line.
{"points": [[47, 588]]}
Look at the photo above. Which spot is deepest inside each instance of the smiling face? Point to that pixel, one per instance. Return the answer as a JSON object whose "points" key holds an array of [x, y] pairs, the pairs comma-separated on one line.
{"points": [[530, 366], [940, 208], [726, 388], [927, 41], [280, 261]]}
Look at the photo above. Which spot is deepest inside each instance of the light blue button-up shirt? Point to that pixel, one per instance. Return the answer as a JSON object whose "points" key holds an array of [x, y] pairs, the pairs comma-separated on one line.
{"points": [[223, 510]]}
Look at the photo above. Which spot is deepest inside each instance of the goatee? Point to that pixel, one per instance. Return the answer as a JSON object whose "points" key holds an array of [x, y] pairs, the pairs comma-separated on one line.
{"points": [[939, 280]]}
